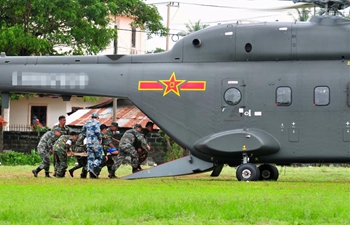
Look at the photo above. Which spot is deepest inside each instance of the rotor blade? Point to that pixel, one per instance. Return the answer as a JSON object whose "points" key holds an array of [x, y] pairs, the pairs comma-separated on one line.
{"points": [[299, 6]]}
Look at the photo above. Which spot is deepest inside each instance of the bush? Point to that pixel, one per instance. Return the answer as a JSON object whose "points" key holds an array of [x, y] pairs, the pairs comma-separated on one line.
{"points": [[38, 128], [32, 159], [18, 158], [174, 151]]}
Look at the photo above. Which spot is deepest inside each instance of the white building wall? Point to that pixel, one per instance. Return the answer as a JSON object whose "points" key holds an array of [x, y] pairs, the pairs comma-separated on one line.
{"points": [[124, 38], [21, 109]]}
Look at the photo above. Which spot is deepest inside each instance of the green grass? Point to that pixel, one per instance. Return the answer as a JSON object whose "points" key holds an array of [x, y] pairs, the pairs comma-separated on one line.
{"points": [[301, 196]]}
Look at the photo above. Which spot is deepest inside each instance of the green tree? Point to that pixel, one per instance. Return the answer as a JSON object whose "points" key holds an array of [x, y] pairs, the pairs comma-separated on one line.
{"points": [[193, 27], [16, 97], [34, 27], [157, 50]]}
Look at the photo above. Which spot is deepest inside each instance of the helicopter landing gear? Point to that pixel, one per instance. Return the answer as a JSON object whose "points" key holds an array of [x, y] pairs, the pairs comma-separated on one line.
{"points": [[247, 171], [268, 172]]}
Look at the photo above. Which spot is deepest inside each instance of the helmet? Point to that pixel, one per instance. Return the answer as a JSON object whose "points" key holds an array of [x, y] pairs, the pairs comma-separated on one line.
{"points": [[137, 126]]}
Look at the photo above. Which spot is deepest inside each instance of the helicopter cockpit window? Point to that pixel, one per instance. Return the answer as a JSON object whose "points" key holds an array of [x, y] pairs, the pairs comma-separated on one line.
{"points": [[283, 96], [321, 96], [232, 96]]}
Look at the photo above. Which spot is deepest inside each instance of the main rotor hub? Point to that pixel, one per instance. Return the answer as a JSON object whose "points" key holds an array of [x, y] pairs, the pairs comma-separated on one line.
{"points": [[327, 5]]}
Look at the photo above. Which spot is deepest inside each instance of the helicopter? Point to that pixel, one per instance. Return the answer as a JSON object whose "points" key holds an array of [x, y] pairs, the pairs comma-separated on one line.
{"points": [[251, 96]]}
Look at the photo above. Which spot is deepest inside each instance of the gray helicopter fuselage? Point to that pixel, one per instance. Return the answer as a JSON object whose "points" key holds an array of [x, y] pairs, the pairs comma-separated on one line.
{"points": [[217, 92]]}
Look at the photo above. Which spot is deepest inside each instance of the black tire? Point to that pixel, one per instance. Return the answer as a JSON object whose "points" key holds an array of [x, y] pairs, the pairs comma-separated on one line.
{"points": [[247, 172], [268, 172], [257, 173]]}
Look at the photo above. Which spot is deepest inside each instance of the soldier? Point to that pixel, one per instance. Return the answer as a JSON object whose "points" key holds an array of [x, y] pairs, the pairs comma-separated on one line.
{"points": [[114, 133], [143, 153], [91, 131], [127, 147], [79, 147], [109, 150], [64, 131], [45, 145], [63, 149]]}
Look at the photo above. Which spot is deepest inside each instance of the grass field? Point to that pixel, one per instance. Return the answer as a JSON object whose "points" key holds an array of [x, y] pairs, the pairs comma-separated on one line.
{"points": [[301, 196]]}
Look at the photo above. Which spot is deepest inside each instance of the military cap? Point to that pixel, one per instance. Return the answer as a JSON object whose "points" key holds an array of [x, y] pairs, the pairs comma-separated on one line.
{"points": [[94, 115], [137, 126], [114, 124]]}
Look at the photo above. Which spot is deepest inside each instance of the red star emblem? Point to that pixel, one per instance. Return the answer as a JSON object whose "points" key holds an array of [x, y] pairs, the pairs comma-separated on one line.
{"points": [[172, 85]]}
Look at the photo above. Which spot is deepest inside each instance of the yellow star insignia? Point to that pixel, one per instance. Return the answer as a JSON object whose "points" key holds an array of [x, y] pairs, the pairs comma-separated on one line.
{"points": [[172, 85]]}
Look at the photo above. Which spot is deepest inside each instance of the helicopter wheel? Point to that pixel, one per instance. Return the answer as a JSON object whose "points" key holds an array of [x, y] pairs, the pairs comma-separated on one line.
{"points": [[268, 172], [247, 172]]}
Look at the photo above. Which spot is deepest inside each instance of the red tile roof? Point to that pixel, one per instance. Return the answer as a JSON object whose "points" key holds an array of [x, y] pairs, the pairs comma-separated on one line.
{"points": [[126, 117]]}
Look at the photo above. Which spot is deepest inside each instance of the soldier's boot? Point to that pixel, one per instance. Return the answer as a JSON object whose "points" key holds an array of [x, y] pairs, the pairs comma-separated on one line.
{"points": [[112, 175], [71, 171], [92, 176], [36, 172], [109, 169], [134, 170], [96, 171], [83, 174], [61, 175], [47, 174]]}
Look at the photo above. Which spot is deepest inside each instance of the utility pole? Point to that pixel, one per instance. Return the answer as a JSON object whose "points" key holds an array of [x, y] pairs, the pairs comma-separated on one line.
{"points": [[115, 106], [115, 52], [171, 4]]}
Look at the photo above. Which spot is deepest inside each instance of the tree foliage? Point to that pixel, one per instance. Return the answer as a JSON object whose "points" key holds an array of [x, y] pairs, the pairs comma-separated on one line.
{"points": [[173, 150], [34, 27], [157, 50], [193, 27], [16, 97]]}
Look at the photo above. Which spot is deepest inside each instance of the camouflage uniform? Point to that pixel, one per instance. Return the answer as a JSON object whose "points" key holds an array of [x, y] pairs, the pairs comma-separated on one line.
{"points": [[64, 129], [45, 144], [91, 131], [142, 152], [61, 148], [127, 147], [115, 136], [106, 141], [81, 160]]}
